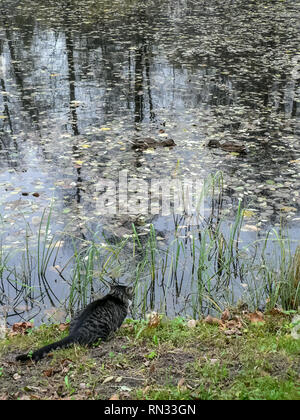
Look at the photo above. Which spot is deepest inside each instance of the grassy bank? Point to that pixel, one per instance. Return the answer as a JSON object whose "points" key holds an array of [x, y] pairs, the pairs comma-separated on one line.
{"points": [[167, 359]]}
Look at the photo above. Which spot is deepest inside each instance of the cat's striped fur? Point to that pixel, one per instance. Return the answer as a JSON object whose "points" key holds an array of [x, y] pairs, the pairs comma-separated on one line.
{"points": [[97, 321]]}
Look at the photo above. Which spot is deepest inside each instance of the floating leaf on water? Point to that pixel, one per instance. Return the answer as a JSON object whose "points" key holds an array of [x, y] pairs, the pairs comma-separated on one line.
{"points": [[251, 228], [36, 220], [288, 209], [248, 214]]}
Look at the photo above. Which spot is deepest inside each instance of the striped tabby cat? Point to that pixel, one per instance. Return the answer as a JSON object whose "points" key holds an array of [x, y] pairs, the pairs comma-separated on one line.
{"points": [[97, 321]]}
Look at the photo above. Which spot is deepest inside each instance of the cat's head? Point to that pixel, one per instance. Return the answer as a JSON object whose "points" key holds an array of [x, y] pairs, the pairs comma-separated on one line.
{"points": [[124, 293]]}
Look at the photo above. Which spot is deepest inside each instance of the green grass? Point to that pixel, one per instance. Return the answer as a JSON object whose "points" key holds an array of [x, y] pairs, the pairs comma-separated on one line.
{"points": [[170, 361]]}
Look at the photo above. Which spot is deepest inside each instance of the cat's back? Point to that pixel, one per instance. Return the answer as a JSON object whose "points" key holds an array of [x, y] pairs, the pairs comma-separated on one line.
{"points": [[99, 319]]}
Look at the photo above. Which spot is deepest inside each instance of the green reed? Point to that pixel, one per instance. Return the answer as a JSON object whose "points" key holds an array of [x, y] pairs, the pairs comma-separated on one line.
{"points": [[201, 267]]}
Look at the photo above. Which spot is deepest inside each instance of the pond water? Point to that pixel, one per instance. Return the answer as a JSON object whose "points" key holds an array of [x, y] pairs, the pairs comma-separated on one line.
{"points": [[83, 82]]}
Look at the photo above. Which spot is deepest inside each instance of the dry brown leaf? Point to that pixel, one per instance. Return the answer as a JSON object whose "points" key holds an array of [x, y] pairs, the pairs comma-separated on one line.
{"points": [[63, 327], [181, 382], [20, 328], [256, 316], [153, 320], [115, 397], [275, 312], [65, 362], [34, 397], [232, 324], [49, 372], [182, 385], [233, 331], [225, 315], [152, 368], [212, 321]]}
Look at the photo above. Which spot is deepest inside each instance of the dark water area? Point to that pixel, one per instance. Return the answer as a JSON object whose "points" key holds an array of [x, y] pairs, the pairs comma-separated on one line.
{"points": [[83, 82]]}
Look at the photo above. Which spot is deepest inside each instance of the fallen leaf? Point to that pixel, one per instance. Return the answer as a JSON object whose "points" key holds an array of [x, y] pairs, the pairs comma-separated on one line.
{"points": [[233, 323], [248, 214], [225, 315], [251, 228], [125, 388], [21, 328], [192, 323], [146, 389], [181, 382], [153, 320], [108, 379], [48, 372], [115, 397], [287, 209], [63, 327], [152, 368], [275, 312], [181, 385], [255, 317], [234, 331], [212, 321]]}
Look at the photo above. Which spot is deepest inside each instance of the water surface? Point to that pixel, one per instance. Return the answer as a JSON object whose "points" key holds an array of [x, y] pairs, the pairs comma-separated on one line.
{"points": [[82, 81]]}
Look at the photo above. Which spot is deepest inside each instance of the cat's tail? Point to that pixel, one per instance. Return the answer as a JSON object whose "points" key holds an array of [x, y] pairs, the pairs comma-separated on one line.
{"points": [[40, 353]]}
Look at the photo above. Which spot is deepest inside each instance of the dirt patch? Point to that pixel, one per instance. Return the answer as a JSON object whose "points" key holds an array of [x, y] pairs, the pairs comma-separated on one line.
{"points": [[112, 368]]}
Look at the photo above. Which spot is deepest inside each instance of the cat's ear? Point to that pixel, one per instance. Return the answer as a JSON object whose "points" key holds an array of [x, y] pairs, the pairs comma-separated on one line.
{"points": [[129, 290]]}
